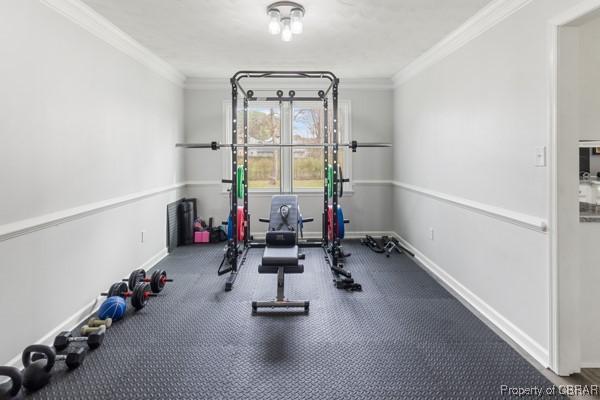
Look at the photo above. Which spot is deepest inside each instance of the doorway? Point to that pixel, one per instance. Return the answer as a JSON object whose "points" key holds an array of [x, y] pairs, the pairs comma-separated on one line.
{"points": [[575, 120]]}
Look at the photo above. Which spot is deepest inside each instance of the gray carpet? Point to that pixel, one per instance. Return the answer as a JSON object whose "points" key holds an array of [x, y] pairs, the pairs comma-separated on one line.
{"points": [[404, 337]]}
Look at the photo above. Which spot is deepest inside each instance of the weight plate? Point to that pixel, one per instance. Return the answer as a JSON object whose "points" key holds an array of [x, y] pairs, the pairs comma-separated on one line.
{"points": [[240, 222], [330, 222], [329, 181], [158, 280], [139, 298], [341, 181], [341, 227], [117, 289], [136, 276], [240, 182], [229, 228]]}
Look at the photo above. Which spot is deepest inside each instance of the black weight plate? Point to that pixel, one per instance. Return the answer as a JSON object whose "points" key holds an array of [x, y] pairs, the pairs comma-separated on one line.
{"points": [[136, 276], [157, 282], [139, 299], [118, 289]]}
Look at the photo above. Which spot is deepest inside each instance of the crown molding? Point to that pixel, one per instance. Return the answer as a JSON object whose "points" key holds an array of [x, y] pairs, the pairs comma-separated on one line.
{"points": [[488, 17], [200, 83], [91, 21]]}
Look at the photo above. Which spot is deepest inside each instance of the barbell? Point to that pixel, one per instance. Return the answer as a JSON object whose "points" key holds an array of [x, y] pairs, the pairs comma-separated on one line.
{"points": [[216, 145]]}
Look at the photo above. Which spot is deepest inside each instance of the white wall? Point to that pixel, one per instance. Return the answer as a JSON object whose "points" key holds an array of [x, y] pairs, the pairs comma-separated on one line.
{"points": [[467, 126], [369, 208], [82, 124]]}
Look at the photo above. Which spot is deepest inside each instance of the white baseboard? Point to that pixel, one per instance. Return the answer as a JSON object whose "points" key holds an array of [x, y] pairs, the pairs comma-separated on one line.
{"points": [[348, 235], [480, 307], [360, 235], [84, 313], [590, 365]]}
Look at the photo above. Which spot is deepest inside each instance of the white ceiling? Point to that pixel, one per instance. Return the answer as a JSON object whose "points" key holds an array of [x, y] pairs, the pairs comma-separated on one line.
{"points": [[352, 38]]}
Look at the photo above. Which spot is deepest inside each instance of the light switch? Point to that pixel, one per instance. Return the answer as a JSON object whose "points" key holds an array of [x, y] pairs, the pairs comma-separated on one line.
{"points": [[540, 156]]}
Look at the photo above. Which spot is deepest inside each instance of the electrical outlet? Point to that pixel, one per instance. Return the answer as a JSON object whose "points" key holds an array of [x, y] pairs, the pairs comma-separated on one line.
{"points": [[431, 233], [143, 236], [540, 156]]}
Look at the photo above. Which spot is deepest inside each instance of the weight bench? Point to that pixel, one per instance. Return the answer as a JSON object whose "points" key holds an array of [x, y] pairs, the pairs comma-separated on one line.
{"points": [[281, 252]]}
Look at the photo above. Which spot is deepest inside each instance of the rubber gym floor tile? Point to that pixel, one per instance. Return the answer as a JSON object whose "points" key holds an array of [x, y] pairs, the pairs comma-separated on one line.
{"points": [[403, 337], [478, 370], [439, 320]]}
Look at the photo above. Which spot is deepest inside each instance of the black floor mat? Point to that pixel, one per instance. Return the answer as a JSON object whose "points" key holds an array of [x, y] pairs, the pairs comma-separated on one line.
{"points": [[403, 336]]}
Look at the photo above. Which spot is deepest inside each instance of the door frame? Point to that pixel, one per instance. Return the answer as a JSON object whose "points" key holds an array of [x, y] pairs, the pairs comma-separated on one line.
{"points": [[558, 365]]}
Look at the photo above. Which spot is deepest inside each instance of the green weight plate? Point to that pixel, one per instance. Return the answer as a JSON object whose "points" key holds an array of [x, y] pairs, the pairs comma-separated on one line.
{"points": [[240, 182], [329, 181]]}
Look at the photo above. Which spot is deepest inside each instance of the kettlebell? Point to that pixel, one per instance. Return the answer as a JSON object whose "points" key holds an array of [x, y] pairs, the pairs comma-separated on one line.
{"points": [[15, 383], [37, 374]]}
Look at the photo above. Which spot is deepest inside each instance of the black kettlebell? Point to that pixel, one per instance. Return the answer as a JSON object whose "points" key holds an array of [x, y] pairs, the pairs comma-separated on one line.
{"points": [[15, 386], [37, 374]]}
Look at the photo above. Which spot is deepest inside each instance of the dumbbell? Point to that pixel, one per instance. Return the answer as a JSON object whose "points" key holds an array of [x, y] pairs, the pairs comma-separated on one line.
{"points": [[96, 322], [37, 370], [87, 330], [94, 340], [139, 296], [15, 379], [157, 281]]}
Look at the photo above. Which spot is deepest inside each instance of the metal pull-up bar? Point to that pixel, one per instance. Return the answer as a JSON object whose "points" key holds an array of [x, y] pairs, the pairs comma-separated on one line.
{"points": [[216, 146]]}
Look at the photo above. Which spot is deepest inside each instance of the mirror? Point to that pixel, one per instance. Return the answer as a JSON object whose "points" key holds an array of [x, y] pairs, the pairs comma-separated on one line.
{"points": [[589, 181]]}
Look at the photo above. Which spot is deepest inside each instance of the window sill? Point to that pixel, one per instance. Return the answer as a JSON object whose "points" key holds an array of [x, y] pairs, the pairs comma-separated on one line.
{"points": [[307, 193]]}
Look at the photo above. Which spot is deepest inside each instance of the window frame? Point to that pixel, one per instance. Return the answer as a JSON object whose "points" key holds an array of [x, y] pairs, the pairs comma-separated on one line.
{"points": [[286, 158]]}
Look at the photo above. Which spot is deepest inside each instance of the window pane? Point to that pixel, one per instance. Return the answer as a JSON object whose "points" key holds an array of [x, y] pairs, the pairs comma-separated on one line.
{"points": [[307, 128], [264, 168], [264, 126], [308, 168]]}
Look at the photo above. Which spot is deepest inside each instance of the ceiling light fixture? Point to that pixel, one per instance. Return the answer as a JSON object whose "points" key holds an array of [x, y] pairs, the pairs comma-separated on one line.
{"points": [[286, 31], [285, 17], [274, 26]]}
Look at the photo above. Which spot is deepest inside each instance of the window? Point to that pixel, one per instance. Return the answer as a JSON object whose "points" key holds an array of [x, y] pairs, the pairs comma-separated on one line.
{"points": [[287, 169], [264, 164], [307, 128]]}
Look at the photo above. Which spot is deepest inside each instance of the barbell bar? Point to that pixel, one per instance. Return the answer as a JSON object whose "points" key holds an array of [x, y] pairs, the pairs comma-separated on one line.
{"points": [[216, 146]]}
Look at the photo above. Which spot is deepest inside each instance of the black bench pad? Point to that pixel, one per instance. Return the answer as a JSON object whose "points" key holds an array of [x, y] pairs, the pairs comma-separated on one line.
{"points": [[287, 269], [280, 256]]}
